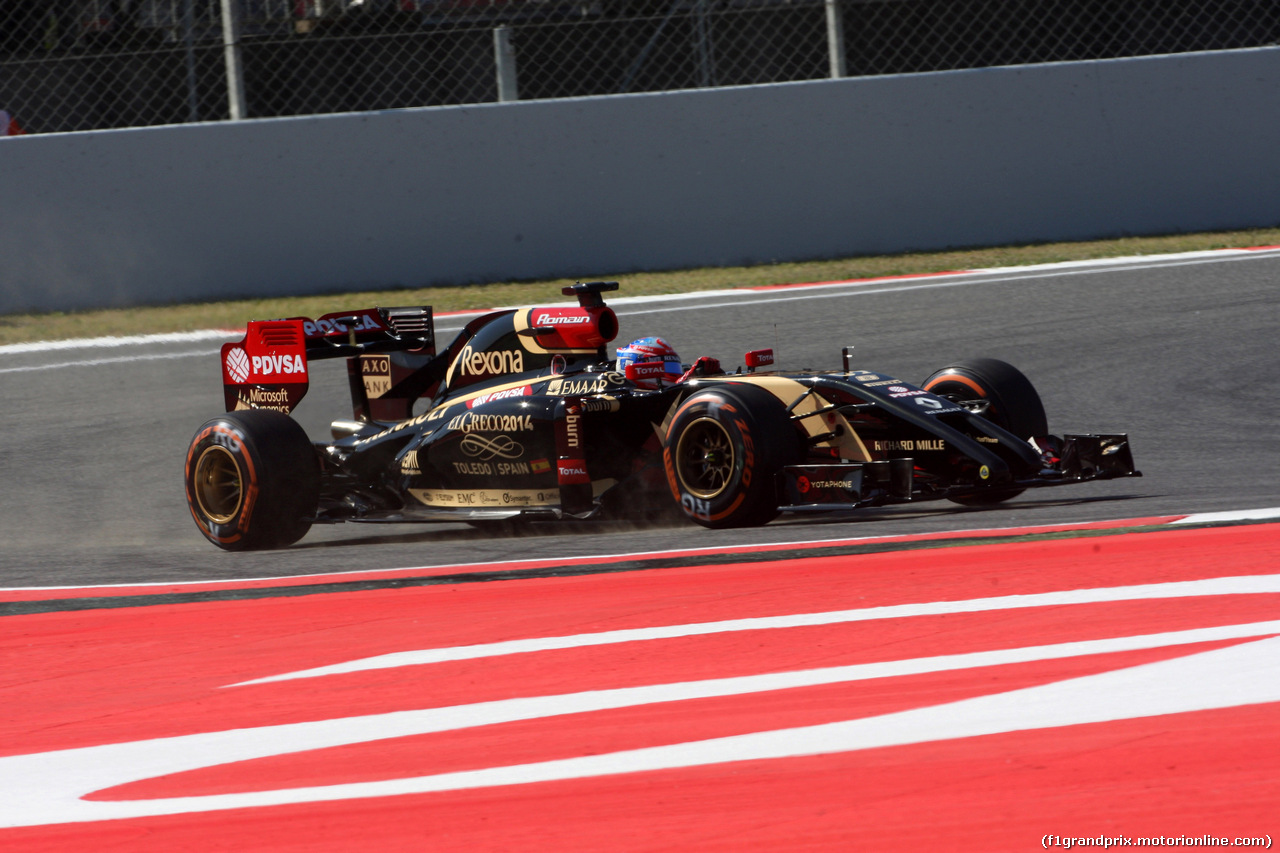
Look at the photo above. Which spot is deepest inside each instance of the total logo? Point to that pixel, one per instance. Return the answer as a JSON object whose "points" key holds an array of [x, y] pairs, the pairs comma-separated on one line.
{"points": [[646, 370], [572, 471]]}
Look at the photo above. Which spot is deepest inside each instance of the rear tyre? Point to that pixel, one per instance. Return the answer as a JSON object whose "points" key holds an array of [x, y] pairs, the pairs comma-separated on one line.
{"points": [[723, 450], [1012, 404], [252, 480]]}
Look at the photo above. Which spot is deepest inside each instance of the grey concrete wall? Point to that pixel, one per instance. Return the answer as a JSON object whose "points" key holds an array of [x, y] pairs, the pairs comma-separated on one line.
{"points": [[596, 186]]}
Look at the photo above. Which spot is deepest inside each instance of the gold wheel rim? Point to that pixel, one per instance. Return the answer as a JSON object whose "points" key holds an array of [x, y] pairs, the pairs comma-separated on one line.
{"points": [[218, 485], [705, 458]]}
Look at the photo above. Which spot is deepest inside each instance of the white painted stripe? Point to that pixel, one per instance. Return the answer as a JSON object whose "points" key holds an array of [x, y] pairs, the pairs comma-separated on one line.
{"points": [[1165, 256], [1233, 515], [127, 341], [1179, 589], [837, 290], [752, 295], [747, 295], [48, 788], [123, 359]]}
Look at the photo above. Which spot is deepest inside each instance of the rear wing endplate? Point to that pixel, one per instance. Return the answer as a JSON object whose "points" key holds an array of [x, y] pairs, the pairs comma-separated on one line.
{"points": [[268, 368]]}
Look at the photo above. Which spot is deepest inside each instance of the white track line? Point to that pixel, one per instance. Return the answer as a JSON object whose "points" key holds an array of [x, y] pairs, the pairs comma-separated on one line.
{"points": [[127, 341], [1245, 585], [95, 362], [635, 305], [1233, 515], [51, 787]]}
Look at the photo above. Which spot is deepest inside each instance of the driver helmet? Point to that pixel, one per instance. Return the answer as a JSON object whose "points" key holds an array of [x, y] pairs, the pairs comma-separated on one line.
{"points": [[649, 349]]}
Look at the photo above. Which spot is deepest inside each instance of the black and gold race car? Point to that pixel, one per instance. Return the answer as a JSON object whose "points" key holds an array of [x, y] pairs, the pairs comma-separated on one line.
{"points": [[524, 416]]}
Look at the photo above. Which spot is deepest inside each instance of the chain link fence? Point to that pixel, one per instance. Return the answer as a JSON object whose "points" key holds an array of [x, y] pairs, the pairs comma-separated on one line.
{"points": [[70, 65]]}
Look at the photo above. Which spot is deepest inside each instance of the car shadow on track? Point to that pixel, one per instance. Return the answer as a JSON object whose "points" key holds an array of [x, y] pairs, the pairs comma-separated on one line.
{"points": [[487, 531], [942, 510], [501, 530]]}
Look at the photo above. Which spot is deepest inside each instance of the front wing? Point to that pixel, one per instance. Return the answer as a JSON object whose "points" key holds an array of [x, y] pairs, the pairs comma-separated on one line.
{"points": [[835, 487]]}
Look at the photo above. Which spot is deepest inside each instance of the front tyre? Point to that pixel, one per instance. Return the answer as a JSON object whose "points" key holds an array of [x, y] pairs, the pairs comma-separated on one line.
{"points": [[722, 452], [252, 480], [1012, 403]]}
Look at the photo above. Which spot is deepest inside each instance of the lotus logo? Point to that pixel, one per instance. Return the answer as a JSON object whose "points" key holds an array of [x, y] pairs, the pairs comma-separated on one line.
{"points": [[482, 448]]}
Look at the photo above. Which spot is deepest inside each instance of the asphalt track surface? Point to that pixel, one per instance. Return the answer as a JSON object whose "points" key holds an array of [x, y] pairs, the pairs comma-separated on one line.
{"points": [[1179, 352]]}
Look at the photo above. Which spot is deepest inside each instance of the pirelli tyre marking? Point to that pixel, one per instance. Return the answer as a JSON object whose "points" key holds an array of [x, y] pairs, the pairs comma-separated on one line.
{"points": [[252, 480], [722, 449], [221, 491]]}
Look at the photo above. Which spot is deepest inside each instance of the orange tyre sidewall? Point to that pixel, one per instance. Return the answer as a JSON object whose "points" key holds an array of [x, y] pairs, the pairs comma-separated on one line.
{"points": [[229, 438]]}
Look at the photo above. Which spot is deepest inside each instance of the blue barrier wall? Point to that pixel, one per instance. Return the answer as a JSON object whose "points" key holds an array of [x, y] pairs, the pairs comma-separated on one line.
{"points": [[608, 185]]}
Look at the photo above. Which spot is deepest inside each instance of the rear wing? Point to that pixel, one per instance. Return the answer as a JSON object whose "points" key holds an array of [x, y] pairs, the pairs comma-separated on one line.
{"points": [[268, 368]]}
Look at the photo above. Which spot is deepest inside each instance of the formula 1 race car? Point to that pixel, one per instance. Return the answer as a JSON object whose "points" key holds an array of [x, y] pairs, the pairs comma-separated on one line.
{"points": [[524, 416]]}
